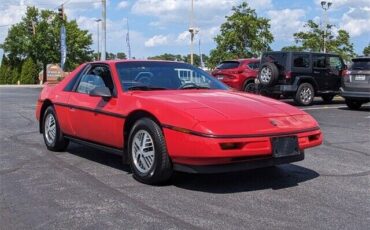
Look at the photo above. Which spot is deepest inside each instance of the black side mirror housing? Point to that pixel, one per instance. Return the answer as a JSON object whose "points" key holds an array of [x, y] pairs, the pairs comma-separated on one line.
{"points": [[103, 92]]}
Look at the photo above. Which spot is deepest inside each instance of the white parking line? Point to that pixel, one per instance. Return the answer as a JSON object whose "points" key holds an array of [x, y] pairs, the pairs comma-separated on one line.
{"points": [[325, 107]]}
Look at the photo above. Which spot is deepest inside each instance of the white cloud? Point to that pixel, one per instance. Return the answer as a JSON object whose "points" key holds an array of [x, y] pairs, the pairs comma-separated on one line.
{"points": [[346, 3], [286, 22], [122, 5], [156, 40], [356, 21]]}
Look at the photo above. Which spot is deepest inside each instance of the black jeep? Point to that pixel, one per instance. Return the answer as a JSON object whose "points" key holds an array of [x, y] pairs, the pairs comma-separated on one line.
{"points": [[301, 75]]}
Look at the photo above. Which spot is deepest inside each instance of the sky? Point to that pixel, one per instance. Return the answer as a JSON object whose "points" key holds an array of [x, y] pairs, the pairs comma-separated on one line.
{"points": [[161, 26]]}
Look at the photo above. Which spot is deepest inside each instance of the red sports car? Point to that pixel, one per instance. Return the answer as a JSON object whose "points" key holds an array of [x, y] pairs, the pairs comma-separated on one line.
{"points": [[164, 116], [238, 74]]}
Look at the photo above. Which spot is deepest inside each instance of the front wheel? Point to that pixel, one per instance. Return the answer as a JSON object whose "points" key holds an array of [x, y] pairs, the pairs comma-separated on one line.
{"points": [[53, 136], [147, 151], [305, 94], [353, 104]]}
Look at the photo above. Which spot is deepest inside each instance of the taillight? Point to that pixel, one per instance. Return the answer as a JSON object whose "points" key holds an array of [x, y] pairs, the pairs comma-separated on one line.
{"points": [[345, 73], [288, 75]]}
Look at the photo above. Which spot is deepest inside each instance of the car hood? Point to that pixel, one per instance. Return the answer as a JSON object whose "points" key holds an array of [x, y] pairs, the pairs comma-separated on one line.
{"points": [[228, 112], [205, 105]]}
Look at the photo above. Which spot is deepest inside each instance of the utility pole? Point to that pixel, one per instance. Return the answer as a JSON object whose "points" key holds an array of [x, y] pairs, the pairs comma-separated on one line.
{"points": [[104, 29], [98, 37], [192, 31], [325, 6], [128, 40], [201, 56]]}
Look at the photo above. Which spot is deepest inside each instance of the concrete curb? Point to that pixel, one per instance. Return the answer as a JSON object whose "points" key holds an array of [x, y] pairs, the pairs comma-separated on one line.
{"points": [[21, 86]]}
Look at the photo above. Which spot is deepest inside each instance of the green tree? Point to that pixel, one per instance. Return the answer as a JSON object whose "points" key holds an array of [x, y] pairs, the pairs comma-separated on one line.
{"points": [[367, 50], [292, 48], [43, 43], [313, 40], [121, 55], [4, 70], [29, 73], [243, 35], [167, 57]]}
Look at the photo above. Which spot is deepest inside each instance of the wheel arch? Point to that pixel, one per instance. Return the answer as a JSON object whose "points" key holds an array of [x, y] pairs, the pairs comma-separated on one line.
{"points": [[248, 80], [307, 79], [45, 105], [131, 120]]}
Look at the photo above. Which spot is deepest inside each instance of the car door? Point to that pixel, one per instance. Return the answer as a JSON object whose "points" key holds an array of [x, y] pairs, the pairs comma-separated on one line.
{"points": [[94, 118], [320, 71], [335, 68]]}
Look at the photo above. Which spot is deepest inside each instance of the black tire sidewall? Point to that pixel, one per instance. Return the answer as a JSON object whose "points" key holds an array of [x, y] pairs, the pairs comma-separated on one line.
{"points": [[161, 166], [59, 143], [248, 84], [297, 97], [353, 104], [274, 73]]}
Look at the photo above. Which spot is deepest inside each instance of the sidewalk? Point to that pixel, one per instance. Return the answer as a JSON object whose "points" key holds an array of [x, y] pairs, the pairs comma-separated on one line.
{"points": [[21, 86]]}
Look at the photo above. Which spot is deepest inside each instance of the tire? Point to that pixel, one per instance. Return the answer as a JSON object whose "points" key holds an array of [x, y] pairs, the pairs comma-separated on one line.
{"points": [[156, 167], [327, 98], [53, 136], [305, 94], [250, 87], [268, 74], [353, 104]]}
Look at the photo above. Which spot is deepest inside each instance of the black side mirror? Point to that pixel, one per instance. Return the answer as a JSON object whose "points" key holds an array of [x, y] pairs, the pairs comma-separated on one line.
{"points": [[101, 91]]}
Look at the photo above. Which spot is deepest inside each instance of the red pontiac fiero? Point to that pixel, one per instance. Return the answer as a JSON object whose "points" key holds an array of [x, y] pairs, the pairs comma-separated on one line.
{"points": [[164, 116]]}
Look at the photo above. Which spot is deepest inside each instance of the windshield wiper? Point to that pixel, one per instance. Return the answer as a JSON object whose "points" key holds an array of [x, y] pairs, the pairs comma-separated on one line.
{"points": [[145, 88], [193, 86]]}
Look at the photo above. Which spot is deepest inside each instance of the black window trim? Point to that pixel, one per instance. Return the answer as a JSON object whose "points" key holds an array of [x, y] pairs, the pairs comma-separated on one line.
{"points": [[319, 55], [310, 64]]}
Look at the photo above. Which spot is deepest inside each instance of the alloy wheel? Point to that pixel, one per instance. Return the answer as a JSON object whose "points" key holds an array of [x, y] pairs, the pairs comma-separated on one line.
{"points": [[306, 95], [143, 151], [50, 128]]}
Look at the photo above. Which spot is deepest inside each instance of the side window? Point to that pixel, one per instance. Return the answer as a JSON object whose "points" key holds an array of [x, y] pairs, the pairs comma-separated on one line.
{"points": [[319, 61], [335, 63], [301, 60], [97, 76], [253, 65]]}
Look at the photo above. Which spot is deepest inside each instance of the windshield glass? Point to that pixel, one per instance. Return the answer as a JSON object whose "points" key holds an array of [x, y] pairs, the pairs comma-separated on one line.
{"points": [[228, 65], [154, 75], [362, 64]]}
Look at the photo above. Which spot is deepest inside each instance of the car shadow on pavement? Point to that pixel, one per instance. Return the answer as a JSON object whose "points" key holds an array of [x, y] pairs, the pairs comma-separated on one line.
{"points": [[364, 108], [98, 156], [278, 177]]}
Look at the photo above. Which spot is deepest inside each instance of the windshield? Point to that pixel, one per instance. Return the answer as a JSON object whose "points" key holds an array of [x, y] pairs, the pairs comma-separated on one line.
{"points": [[228, 65], [361, 64], [154, 75]]}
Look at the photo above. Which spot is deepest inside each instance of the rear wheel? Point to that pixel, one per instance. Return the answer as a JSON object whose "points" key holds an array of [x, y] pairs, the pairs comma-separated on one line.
{"points": [[353, 104], [327, 98], [305, 94], [53, 136], [250, 87], [147, 152]]}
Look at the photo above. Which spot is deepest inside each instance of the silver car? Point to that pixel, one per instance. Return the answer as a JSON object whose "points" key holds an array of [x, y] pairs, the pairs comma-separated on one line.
{"points": [[356, 83]]}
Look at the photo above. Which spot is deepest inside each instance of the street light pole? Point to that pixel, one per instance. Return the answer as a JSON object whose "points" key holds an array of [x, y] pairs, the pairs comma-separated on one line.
{"points": [[98, 37], [325, 6], [104, 31], [192, 31]]}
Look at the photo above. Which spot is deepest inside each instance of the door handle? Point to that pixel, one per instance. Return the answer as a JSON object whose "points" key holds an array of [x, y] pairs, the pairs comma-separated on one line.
{"points": [[316, 72]]}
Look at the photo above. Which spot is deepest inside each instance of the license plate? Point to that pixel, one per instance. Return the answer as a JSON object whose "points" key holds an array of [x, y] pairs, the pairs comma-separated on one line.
{"points": [[360, 77], [285, 146]]}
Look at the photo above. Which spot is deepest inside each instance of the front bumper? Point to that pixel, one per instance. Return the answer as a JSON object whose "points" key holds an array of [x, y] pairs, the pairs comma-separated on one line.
{"points": [[195, 150], [363, 95], [252, 163]]}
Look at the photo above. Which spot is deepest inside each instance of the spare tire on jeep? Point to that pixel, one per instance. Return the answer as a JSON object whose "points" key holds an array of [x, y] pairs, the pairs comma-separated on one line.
{"points": [[268, 74]]}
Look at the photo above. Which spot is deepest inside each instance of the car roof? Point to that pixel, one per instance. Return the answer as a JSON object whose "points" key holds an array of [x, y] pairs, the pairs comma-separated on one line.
{"points": [[130, 60], [307, 52], [361, 57], [242, 60]]}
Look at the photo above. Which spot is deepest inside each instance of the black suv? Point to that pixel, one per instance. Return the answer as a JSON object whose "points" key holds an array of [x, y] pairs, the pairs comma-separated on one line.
{"points": [[301, 75], [356, 83]]}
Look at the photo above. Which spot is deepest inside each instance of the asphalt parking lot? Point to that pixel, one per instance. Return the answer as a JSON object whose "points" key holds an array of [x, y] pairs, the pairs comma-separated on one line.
{"points": [[85, 188]]}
